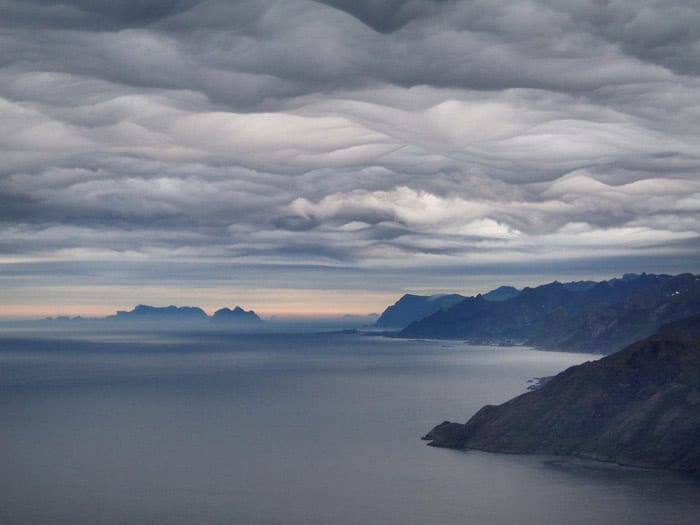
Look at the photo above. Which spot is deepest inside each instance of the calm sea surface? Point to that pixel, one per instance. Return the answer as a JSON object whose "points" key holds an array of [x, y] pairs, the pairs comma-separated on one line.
{"points": [[320, 428]]}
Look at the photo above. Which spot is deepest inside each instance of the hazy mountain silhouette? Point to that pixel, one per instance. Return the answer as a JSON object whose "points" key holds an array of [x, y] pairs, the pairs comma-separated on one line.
{"points": [[144, 312], [186, 316], [411, 308], [238, 315]]}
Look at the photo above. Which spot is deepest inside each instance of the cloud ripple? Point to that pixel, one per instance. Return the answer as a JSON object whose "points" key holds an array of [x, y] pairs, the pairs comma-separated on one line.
{"points": [[368, 133]]}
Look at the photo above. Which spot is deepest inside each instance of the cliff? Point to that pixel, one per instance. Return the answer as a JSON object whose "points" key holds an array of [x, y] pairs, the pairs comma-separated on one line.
{"points": [[410, 308], [639, 406]]}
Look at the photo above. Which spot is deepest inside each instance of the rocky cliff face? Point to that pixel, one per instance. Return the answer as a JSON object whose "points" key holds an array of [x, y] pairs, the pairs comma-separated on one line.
{"points": [[640, 406], [411, 308]]}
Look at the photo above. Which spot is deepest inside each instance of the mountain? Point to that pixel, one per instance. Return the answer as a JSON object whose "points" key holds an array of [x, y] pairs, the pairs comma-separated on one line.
{"points": [[238, 315], [502, 293], [580, 286], [411, 308], [639, 406], [607, 327], [601, 317], [166, 313], [185, 315]]}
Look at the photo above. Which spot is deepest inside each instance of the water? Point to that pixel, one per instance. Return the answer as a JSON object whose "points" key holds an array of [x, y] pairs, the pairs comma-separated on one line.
{"points": [[301, 428]]}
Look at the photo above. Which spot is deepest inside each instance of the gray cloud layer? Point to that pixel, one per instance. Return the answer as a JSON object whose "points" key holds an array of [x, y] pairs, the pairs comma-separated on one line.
{"points": [[364, 133]]}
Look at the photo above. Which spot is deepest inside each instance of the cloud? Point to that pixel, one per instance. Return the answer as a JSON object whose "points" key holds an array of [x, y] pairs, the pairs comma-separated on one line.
{"points": [[366, 134], [95, 14]]}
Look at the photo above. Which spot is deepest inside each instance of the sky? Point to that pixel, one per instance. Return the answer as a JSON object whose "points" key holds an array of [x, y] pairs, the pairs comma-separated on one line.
{"points": [[324, 157]]}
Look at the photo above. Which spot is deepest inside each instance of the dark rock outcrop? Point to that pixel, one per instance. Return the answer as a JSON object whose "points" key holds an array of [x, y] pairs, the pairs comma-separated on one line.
{"points": [[639, 406]]}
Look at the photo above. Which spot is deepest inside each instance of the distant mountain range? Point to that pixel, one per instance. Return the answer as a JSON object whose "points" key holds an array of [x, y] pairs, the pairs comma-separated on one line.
{"points": [[411, 308], [166, 314], [639, 406], [581, 316], [237, 315], [145, 312]]}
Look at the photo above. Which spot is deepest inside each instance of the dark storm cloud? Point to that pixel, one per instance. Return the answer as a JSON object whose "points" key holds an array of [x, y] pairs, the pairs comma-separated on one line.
{"points": [[372, 133], [247, 53], [387, 16], [453, 43], [666, 33], [90, 14]]}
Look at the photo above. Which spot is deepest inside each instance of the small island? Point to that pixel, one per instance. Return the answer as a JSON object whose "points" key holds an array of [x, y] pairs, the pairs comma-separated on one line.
{"points": [[172, 316]]}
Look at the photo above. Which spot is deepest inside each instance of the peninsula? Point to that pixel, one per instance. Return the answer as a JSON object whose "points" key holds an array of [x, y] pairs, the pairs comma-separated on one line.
{"points": [[639, 407]]}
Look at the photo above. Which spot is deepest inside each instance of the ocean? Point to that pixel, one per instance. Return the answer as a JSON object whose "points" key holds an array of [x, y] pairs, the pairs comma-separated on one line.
{"points": [[300, 428]]}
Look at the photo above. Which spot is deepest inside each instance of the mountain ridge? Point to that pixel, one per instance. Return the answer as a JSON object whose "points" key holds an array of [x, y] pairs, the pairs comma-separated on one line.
{"points": [[601, 317], [411, 307]]}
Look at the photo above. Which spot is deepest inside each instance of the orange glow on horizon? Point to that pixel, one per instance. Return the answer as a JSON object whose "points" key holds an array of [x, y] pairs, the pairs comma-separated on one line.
{"points": [[40, 311], [43, 311], [289, 304]]}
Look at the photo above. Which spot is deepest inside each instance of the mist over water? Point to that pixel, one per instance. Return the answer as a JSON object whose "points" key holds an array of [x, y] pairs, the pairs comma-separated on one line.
{"points": [[287, 428]]}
